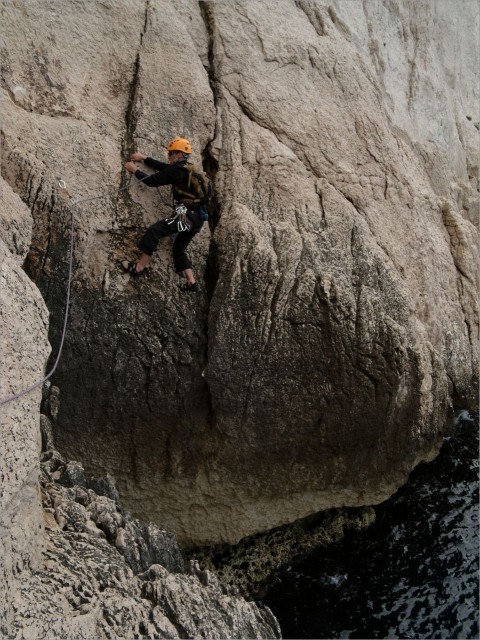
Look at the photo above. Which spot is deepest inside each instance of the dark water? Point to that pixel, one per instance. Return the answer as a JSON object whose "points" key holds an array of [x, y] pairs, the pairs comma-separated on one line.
{"points": [[414, 574]]}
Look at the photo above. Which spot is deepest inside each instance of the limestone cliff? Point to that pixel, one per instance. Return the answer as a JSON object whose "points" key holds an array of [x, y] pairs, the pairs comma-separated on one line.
{"points": [[24, 349], [73, 562], [103, 574], [338, 316]]}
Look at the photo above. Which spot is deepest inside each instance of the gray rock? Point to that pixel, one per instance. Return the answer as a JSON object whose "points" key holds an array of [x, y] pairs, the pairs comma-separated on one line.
{"points": [[25, 348], [52, 461], [70, 516], [144, 545], [47, 385], [50, 405], [338, 318], [73, 474], [46, 430], [83, 575], [207, 612], [105, 486], [248, 567], [341, 320]]}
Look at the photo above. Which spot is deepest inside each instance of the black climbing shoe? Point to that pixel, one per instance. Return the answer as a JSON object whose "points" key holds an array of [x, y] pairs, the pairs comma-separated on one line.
{"points": [[190, 287], [131, 268]]}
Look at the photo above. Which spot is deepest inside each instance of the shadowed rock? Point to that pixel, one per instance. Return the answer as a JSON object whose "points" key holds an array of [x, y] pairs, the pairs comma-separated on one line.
{"points": [[338, 317]]}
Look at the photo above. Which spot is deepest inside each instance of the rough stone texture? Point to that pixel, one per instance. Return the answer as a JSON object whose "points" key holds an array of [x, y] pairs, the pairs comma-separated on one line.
{"points": [[427, 68], [253, 564], [210, 613], [102, 574], [70, 570], [23, 349], [339, 311]]}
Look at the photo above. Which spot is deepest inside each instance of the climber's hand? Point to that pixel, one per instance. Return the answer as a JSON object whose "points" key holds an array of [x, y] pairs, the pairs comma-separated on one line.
{"points": [[131, 166], [137, 156]]}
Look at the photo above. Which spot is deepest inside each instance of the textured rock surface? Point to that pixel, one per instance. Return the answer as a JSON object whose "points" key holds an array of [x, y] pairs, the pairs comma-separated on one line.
{"points": [[339, 312], [99, 573], [253, 564], [24, 349]]}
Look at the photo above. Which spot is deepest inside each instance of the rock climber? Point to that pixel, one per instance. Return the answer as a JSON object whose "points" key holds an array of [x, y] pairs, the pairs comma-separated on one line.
{"points": [[189, 196]]}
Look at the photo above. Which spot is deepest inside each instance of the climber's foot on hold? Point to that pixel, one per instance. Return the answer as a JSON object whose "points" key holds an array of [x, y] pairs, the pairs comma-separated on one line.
{"points": [[131, 268], [192, 286]]}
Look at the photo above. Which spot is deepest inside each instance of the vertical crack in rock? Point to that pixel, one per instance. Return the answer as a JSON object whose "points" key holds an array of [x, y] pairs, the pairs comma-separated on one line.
{"points": [[313, 15], [458, 248], [373, 48], [339, 24], [210, 166], [43, 252], [49, 241], [209, 162], [412, 60], [206, 11], [130, 115], [130, 112]]}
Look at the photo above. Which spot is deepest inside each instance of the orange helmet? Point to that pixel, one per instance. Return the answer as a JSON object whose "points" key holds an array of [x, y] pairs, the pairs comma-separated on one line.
{"points": [[180, 144]]}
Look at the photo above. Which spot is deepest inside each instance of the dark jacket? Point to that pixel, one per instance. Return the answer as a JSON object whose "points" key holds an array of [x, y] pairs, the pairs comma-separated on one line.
{"points": [[175, 174]]}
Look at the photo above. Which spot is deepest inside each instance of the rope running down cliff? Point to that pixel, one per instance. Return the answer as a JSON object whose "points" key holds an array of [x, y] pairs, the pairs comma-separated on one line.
{"points": [[63, 187]]}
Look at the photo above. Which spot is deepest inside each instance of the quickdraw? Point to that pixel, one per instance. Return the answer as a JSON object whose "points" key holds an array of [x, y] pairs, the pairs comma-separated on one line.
{"points": [[181, 218]]}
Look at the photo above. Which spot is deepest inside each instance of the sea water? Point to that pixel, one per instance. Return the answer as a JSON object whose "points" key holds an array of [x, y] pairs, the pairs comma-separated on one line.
{"points": [[413, 574]]}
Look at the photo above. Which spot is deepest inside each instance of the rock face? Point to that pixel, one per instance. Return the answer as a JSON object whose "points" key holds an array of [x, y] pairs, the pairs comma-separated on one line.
{"points": [[99, 573], [73, 563], [252, 565], [24, 321], [339, 315], [103, 595]]}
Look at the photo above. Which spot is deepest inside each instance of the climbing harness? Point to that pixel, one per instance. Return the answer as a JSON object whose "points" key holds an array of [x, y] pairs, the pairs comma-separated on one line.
{"points": [[180, 217], [63, 187]]}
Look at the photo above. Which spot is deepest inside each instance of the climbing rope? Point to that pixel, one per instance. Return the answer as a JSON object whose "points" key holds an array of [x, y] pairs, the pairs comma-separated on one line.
{"points": [[62, 185]]}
